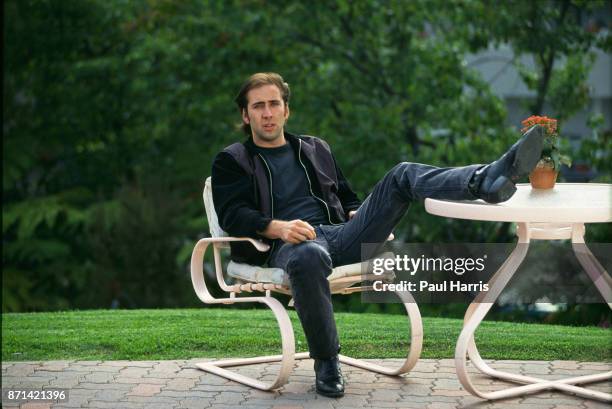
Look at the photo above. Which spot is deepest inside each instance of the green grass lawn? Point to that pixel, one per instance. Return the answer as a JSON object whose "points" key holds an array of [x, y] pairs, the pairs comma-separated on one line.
{"points": [[206, 332]]}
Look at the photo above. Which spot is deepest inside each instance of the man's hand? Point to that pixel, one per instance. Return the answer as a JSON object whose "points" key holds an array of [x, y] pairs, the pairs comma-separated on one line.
{"points": [[351, 213], [294, 231]]}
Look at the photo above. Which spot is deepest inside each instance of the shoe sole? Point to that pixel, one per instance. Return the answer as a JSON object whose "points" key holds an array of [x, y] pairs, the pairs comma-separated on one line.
{"points": [[529, 153], [331, 395], [525, 160]]}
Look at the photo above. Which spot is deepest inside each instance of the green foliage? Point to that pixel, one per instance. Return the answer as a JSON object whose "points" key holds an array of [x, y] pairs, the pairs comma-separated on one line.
{"points": [[546, 33], [569, 92], [113, 112], [134, 250], [596, 149], [551, 153], [36, 241]]}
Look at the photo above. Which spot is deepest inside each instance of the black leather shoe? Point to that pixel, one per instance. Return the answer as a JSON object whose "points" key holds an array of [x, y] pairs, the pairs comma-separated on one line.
{"points": [[495, 183], [329, 380]]}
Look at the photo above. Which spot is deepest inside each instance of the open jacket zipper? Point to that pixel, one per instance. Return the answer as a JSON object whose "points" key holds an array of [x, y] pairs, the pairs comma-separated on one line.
{"points": [[310, 184], [271, 202]]}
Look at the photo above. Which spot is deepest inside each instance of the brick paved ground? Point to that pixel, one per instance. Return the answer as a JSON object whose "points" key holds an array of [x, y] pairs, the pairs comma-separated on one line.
{"points": [[177, 384]]}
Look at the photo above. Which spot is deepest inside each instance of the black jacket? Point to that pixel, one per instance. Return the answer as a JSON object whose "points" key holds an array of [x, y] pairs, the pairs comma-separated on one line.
{"points": [[242, 197]]}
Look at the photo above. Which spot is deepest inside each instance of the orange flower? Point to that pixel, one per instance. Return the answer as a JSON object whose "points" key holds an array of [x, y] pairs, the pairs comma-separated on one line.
{"points": [[548, 123]]}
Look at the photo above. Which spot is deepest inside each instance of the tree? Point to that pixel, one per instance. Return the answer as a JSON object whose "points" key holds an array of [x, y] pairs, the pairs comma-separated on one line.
{"points": [[114, 111], [555, 34]]}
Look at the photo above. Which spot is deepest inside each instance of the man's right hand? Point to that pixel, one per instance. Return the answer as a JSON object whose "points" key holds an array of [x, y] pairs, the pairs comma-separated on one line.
{"points": [[294, 231]]}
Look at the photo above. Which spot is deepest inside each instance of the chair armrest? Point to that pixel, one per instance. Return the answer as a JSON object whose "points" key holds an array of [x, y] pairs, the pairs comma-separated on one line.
{"points": [[256, 243], [197, 261]]}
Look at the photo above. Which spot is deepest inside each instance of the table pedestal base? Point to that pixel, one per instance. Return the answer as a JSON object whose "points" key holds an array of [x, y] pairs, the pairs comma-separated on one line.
{"points": [[476, 312]]}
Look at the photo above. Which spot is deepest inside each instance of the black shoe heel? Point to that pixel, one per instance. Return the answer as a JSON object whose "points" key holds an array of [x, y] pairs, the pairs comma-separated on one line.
{"points": [[501, 190]]}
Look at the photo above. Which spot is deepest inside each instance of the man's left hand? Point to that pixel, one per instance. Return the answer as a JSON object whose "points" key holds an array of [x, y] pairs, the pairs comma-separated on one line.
{"points": [[351, 214]]}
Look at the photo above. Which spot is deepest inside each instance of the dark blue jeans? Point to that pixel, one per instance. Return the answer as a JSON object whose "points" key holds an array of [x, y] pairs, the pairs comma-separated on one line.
{"points": [[309, 263]]}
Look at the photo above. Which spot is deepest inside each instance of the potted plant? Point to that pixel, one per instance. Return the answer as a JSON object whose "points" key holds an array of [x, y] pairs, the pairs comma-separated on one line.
{"points": [[546, 171]]}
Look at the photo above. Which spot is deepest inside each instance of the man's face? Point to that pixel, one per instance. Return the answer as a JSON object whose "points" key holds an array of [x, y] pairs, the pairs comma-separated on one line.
{"points": [[266, 113]]}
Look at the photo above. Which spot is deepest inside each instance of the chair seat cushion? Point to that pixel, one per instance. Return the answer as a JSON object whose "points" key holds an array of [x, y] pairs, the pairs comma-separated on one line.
{"points": [[256, 274]]}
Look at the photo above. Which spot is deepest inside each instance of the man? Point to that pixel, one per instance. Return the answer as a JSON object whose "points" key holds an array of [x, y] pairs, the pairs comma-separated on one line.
{"points": [[288, 191]]}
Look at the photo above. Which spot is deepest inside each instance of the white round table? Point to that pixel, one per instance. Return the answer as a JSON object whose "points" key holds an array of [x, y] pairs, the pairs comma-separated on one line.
{"points": [[551, 214]]}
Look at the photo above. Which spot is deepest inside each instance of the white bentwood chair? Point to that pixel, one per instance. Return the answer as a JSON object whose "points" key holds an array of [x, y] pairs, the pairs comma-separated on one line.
{"points": [[343, 280]]}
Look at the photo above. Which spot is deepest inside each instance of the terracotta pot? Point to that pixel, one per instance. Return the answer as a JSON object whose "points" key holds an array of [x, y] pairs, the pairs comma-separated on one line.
{"points": [[543, 177]]}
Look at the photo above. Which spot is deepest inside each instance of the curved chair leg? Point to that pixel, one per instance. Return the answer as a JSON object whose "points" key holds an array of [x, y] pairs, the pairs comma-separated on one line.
{"points": [[282, 318], [416, 342], [476, 312], [288, 356]]}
